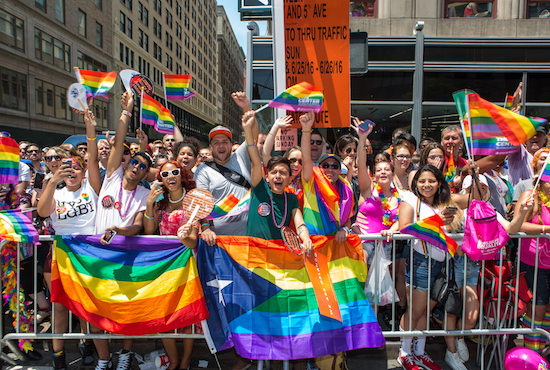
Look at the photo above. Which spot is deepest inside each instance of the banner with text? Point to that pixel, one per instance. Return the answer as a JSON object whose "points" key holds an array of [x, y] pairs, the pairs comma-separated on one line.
{"points": [[317, 51]]}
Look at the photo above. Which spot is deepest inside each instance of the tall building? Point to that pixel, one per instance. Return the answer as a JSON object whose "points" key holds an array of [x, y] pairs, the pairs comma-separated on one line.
{"points": [[230, 71], [40, 43], [173, 37]]}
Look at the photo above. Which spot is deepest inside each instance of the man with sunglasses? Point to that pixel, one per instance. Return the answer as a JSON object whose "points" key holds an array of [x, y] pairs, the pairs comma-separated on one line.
{"points": [[316, 143], [82, 148], [34, 158], [122, 202]]}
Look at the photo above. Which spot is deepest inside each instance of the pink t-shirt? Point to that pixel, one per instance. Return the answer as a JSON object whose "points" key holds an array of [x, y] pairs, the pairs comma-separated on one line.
{"points": [[529, 246]]}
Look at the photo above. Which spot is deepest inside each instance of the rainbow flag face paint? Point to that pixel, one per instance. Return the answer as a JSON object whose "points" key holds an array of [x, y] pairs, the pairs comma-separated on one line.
{"points": [[177, 87], [302, 97], [154, 114], [96, 83]]}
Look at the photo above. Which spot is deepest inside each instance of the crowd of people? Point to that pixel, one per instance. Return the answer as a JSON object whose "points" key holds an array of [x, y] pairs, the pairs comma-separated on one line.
{"points": [[111, 185]]}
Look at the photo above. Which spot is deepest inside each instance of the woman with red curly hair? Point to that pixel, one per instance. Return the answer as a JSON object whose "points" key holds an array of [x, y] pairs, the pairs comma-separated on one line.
{"points": [[165, 213]]}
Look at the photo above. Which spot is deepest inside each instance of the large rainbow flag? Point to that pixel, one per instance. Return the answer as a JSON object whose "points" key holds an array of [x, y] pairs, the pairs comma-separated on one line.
{"points": [[9, 161], [262, 302], [230, 206], [302, 97], [96, 83], [324, 210], [430, 230], [154, 114], [17, 227], [176, 87], [132, 286]]}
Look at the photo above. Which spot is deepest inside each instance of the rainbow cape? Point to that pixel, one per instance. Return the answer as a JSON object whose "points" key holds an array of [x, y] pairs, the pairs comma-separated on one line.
{"points": [[17, 227], [176, 87], [155, 114], [132, 286], [230, 206], [9, 161], [430, 230], [96, 83], [302, 97], [261, 300], [324, 210]]}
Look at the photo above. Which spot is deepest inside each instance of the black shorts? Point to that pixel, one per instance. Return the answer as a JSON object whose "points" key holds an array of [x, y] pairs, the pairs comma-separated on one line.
{"points": [[543, 283]]}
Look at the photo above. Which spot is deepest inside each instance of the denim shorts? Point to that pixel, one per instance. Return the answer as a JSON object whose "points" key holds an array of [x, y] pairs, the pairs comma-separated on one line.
{"points": [[472, 271], [369, 247], [420, 271], [543, 282]]}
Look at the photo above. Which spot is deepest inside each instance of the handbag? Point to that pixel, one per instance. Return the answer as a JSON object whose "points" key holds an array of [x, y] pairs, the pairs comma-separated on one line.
{"points": [[446, 292], [484, 236]]}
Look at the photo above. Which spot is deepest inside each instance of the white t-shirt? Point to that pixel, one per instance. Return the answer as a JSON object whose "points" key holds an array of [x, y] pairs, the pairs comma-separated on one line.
{"points": [[110, 206], [24, 172], [425, 212], [75, 211]]}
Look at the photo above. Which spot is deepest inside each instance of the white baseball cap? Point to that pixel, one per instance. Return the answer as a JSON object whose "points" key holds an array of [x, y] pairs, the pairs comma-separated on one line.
{"points": [[467, 182]]}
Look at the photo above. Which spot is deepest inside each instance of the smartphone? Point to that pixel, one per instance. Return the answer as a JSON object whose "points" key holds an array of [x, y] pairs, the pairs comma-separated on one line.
{"points": [[450, 210], [38, 180], [161, 195], [67, 162], [109, 235], [366, 125]]}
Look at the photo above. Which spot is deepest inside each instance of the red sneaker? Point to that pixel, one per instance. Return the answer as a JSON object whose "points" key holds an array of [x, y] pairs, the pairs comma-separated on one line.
{"points": [[426, 362], [407, 362]]}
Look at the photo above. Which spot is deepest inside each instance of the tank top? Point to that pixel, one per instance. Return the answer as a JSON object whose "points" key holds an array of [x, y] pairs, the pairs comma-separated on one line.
{"points": [[170, 222], [371, 215], [529, 245]]}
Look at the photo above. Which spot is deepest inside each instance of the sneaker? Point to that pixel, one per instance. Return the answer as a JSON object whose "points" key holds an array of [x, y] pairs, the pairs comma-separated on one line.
{"points": [[59, 361], [124, 360], [454, 361], [42, 315], [104, 365], [426, 362], [87, 352], [462, 349], [407, 362]]}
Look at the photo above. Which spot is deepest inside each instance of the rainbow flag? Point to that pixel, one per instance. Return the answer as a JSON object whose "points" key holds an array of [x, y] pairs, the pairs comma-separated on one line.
{"points": [[230, 206], [176, 87], [262, 302], [451, 170], [17, 227], [430, 230], [155, 114], [302, 97], [131, 286], [9, 161], [96, 83], [545, 173], [508, 101], [324, 210]]}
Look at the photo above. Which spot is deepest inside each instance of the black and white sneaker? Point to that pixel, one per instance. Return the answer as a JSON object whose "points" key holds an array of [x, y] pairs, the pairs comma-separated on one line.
{"points": [[104, 365], [124, 360]]}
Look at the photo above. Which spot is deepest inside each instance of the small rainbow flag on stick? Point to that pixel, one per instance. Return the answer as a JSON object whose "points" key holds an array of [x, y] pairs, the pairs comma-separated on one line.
{"points": [[230, 206], [302, 97], [508, 101], [430, 230], [451, 170], [96, 83], [176, 87], [17, 227], [9, 161], [154, 114]]}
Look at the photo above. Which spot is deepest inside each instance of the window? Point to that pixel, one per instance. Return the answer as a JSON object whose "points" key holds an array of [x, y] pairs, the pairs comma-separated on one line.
{"points": [[157, 28], [146, 42], [40, 4], [60, 10], [469, 9], [129, 4], [11, 31], [99, 4], [81, 23], [140, 11], [122, 22], [99, 35], [13, 94], [129, 28], [140, 37], [155, 50], [86, 62], [121, 54], [51, 50], [538, 9], [146, 17], [51, 101]]}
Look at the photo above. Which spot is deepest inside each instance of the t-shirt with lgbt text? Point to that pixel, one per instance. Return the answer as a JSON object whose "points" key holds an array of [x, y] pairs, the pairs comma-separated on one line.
{"points": [[75, 211]]}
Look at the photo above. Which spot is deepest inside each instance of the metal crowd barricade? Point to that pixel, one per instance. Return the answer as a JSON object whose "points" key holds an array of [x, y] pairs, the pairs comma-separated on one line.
{"points": [[500, 329]]}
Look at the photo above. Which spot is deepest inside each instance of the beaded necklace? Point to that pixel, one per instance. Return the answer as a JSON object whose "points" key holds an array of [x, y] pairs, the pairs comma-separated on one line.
{"points": [[278, 226], [544, 199], [385, 205]]}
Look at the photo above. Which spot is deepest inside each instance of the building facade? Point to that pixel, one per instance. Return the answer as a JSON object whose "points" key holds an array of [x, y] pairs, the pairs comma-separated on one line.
{"points": [[231, 64], [40, 43]]}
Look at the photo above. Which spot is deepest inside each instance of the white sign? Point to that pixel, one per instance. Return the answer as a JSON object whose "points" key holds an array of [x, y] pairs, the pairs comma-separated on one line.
{"points": [[76, 97]]}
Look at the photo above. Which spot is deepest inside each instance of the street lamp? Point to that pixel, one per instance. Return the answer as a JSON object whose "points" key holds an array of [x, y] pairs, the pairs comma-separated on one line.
{"points": [[253, 30], [418, 80]]}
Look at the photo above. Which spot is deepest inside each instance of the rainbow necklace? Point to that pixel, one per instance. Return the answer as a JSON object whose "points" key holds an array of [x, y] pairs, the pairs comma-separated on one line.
{"points": [[544, 199], [386, 220]]}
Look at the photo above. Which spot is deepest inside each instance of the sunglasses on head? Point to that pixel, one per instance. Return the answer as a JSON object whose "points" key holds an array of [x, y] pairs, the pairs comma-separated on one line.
{"points": [[142, 166], [33, 151], [326, 166], [50, 158], [5, 133], [349, 150], [174, 172], [316, 142], [294, 160]]}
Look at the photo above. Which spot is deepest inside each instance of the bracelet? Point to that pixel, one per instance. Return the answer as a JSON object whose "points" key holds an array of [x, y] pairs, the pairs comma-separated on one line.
{"points": [[91, 139], [307, 132], [147, 217], [544, 229], [205, 224], [129, 114], [251, 146]]}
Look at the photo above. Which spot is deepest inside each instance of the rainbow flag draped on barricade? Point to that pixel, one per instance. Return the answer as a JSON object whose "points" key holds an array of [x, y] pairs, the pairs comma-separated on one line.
{"points": [[430, 230], [154, 114], [131, 286], [96, 83], [9, 161], [176, 87], [262, 302], [302, 97], [230, 206]]}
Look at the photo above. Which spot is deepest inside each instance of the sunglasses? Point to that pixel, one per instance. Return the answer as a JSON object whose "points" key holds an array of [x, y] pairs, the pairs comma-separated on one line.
{"points": [[5, 133], [349, 150], [142, 166], [50, 158], [174, 172], [33, 151], [326, 166], [294, 160], [126, 151], [82, 148], [316, 142]]}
